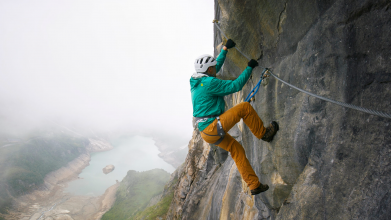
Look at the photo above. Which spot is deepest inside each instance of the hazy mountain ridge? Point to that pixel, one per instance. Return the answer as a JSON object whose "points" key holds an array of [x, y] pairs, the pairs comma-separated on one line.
{"points": [[170, 152]]}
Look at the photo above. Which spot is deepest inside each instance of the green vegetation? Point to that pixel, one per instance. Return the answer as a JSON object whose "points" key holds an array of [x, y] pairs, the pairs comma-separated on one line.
{"points": [[25, 164], [161, 208], [158, 210], [5, 200], [135, 191]]}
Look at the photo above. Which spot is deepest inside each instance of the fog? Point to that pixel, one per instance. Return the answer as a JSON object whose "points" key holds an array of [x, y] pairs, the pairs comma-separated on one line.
{"points": [[101, 65]]}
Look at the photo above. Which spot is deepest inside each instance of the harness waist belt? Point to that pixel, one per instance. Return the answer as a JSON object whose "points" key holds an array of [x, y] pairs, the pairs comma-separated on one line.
{"points": [[220, 130], [203, 119]]}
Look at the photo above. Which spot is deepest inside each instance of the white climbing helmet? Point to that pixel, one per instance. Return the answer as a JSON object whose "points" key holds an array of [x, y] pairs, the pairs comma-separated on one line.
{"points": [[202, 63]]}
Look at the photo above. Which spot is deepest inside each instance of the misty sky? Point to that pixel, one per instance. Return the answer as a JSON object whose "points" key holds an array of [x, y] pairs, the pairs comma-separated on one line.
{"points": [[104, 64]]}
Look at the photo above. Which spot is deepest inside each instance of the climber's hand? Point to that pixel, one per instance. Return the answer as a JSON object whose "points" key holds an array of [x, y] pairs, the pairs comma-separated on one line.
{"points": [[230, 43], [252, 63]]}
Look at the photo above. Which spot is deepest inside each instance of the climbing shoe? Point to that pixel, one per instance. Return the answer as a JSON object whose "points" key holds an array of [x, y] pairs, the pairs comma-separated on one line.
{"points": [[271, 130], [261, 188]]}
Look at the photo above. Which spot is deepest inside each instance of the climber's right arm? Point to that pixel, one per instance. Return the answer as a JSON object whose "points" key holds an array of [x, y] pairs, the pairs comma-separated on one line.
{"points": [[219, 87]]}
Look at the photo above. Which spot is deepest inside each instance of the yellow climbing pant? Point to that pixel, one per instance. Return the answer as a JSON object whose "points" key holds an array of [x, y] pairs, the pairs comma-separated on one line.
{"points": [[228, 119]]}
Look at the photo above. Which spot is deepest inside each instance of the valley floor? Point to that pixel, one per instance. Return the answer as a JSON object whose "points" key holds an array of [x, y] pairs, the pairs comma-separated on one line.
{"points": [[53, 203]]}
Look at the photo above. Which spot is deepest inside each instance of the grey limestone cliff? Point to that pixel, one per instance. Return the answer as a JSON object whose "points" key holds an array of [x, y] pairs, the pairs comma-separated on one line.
{"points": [[326, 162]]}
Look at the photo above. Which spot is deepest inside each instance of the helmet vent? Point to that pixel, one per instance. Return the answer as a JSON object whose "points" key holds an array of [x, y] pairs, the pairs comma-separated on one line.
{"points": [[201, 60], [207, 59]]}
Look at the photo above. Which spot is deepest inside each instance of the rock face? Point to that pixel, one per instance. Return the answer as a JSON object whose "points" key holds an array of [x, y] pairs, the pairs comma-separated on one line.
{"points": [[108, 169], [326, 162]]}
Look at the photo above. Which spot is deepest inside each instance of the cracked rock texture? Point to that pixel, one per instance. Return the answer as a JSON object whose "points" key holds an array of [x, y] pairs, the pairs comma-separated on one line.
{"points": [[326, 162]]}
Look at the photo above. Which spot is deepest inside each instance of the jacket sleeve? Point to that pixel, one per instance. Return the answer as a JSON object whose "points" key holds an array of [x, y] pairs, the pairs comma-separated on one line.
{"points": [[220, 60], [218, 87]]}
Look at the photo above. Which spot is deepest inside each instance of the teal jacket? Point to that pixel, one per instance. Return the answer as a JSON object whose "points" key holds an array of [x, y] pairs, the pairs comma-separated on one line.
{"points": [[207, 93]]}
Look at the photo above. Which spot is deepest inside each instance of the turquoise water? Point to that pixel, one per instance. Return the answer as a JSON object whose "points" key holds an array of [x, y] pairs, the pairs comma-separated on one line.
{"points": [[130, 153]]}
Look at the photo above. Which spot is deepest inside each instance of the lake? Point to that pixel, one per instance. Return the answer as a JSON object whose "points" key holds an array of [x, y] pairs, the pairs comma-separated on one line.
{"points": [[129, 153]]}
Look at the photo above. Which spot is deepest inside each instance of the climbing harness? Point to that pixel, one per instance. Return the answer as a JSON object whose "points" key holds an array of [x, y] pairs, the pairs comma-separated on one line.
{"points": [[252, 93], [220, 130]]}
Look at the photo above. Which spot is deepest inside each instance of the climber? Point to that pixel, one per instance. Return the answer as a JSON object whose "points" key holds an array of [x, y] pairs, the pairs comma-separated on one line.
{"points": [[207, 93]]}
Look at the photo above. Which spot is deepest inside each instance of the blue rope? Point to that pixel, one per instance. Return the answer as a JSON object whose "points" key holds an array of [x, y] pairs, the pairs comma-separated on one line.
{"points": [[256, 88]]}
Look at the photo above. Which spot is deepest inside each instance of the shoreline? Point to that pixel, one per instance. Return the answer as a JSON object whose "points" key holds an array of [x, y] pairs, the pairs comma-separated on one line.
{"points": [[166, 153], [53, 203]]}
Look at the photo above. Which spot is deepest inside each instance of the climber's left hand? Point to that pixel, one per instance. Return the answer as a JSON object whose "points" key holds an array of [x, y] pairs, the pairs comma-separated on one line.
{"points": [[230, 43]]}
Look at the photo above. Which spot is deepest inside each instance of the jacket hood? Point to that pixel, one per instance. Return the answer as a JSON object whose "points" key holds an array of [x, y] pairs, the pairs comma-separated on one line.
{"points": [[196, 78], [198, 75]]}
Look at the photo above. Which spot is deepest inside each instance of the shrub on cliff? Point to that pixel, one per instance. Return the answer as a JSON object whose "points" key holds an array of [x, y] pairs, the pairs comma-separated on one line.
{"points": [[135, 191], [161, 208]]}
